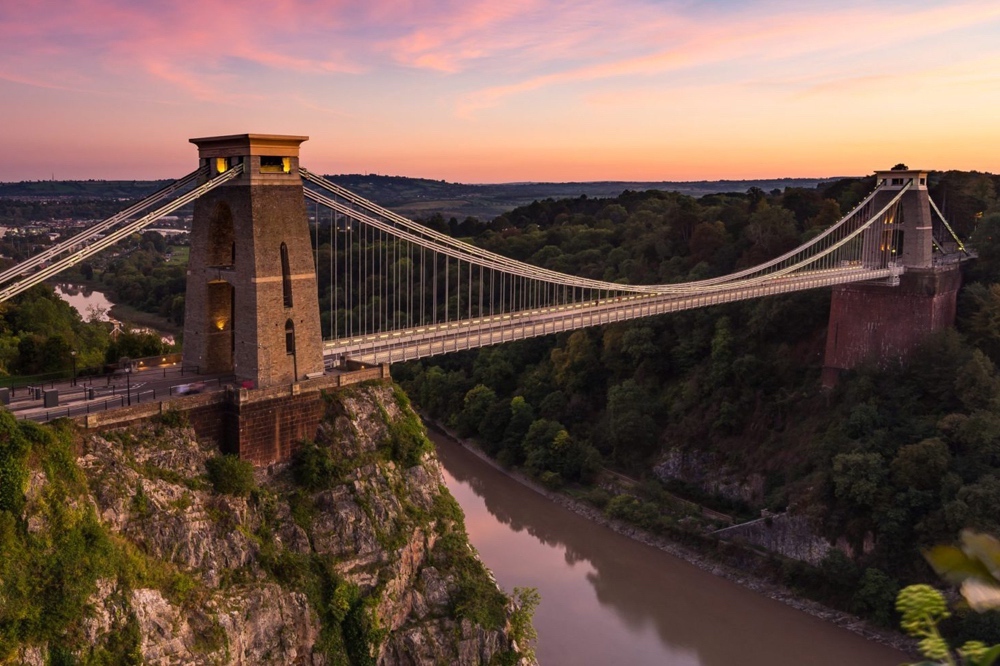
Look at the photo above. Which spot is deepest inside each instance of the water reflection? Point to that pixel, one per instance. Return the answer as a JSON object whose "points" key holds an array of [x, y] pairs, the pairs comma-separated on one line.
{"points": [[92, 305], [609, 600]]}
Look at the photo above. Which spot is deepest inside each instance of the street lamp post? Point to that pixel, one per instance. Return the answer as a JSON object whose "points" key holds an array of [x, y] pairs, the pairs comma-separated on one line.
{"points": [[126, 362], [72, 356]]}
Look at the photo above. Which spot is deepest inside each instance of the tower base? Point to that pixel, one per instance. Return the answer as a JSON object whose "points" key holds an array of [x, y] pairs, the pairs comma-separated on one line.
{"points": [[873, 322]]}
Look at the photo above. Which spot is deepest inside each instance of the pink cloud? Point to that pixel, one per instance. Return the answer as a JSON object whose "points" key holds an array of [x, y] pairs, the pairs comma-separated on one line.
{"points": [[751, 37], [180, 43]]}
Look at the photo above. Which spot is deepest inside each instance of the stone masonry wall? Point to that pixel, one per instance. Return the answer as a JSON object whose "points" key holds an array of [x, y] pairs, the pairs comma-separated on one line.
{"points": [[259, 425], [882, 323], [269, 431]]}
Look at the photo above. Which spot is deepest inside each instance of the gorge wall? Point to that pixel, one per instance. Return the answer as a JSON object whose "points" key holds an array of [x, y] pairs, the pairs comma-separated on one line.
{"points": [[121, 547]]}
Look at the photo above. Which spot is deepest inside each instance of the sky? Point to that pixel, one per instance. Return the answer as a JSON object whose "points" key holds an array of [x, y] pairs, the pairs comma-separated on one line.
{"points": [[488, 91]]}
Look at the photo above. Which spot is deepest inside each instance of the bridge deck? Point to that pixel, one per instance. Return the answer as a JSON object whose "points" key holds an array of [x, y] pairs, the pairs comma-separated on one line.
{"points": [[423, 341]]}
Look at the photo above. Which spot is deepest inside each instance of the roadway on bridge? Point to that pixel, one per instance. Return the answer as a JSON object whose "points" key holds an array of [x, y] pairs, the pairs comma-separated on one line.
{"points": [[103, 392]]}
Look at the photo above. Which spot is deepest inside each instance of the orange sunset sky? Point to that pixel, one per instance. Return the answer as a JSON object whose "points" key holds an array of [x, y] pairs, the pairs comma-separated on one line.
{"points": [[498, 91]]}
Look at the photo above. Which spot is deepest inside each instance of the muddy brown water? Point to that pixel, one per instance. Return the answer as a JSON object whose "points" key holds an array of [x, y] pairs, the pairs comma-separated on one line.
{"points": [[607, 599]]}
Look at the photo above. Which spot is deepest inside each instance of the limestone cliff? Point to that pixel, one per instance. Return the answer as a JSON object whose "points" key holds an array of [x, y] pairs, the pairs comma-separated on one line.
{"points": [[142, 545]]}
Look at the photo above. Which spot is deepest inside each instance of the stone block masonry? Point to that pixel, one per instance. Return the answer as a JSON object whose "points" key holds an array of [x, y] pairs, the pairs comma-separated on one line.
{"points": [[251, 303], [871, 322], [260, 425]]}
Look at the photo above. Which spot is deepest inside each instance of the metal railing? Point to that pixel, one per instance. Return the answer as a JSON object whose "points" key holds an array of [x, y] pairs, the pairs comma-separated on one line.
{"points": [[88, 401]]}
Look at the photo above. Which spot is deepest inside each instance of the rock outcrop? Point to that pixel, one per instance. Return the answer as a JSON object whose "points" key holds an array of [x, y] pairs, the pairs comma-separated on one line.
{"points": [[353, 554]]}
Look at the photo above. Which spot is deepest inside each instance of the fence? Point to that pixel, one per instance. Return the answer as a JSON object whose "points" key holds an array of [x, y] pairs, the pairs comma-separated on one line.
{"points": [[115, 398], [131, 404]]}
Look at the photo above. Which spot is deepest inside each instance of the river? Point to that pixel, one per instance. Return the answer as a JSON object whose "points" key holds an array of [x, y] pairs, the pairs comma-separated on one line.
{"points": [[95, 306], [607, 599], [89, 303]]}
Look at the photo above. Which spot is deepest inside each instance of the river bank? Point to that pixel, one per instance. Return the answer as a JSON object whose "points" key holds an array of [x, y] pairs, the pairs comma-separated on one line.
{"points": [[726, 561], [94, 300]]}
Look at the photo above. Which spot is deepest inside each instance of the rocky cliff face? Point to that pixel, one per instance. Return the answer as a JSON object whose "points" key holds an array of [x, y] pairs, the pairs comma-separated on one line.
{"points": [[354, 554]]}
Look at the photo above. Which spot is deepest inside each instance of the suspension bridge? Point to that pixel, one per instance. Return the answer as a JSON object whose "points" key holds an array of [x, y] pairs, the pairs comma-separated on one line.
{"points": [[401, 291]]}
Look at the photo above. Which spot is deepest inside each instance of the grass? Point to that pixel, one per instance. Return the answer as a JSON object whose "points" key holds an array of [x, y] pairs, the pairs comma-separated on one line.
{"points": [[137, 317], [179, 255]]}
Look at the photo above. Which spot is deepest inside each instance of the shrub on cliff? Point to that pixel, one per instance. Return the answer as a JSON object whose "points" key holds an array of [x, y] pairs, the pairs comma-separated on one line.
{"points": [[314, 468], [230, 476]]}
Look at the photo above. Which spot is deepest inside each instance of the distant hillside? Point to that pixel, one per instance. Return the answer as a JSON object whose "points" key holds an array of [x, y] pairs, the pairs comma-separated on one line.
{"points": [[80, 189], [414, 197], [420, 197]]}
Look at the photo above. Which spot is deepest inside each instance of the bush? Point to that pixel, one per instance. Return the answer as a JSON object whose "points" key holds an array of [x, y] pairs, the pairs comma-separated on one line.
{"points": [[314, 468], [875, 597], [172, 418], [407, 443], [551, 480], [599, 497], [230, 476]]}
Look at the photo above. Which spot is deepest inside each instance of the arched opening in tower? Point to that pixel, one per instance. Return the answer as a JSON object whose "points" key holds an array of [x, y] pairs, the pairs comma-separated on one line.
{"points": [[221, 320], [286, 277], [221, 237], [290, 346]]}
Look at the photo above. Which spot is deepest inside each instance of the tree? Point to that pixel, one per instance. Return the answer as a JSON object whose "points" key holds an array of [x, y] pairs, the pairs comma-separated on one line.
{"points": [[631, 426], [986, 240], [538, 445], [706, 241], [921, 465], [982, 321], [976, 384], [874, 596], [975, 564], [475, 407], [771, 231], [521, 418], [134, 344], [577, 366], [858, 478]]}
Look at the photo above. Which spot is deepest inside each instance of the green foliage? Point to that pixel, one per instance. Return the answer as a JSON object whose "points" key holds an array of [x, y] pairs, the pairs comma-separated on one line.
{"points": [[132, 344], [476, 405], [446, 509], [521, 417], [140, 502], [477, 597], [14, 448], [896, 459], [631, 427], [633, 510], [975, 564], [230, 476], [315, 468], [874, 596], [922, 609], [46, 579], [172, 418], [526, 600], [407, 441], [858, 478], [362, 633]]}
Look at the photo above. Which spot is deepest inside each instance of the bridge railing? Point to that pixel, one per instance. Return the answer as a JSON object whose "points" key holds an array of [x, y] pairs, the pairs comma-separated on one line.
{"points": [[94, 399]]}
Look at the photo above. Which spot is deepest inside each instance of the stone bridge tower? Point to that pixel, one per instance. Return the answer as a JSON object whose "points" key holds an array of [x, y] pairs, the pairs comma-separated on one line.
{"points": [[880, 322], [252, 307]]}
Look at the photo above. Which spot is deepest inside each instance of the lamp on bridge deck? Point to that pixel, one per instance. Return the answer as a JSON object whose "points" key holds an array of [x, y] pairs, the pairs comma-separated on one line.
{"points": [[126, 363]]}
